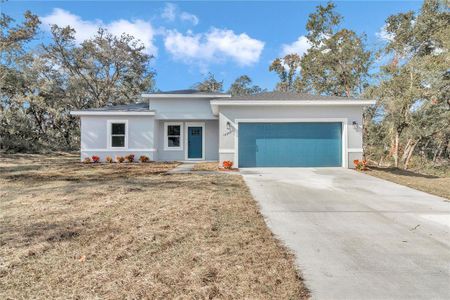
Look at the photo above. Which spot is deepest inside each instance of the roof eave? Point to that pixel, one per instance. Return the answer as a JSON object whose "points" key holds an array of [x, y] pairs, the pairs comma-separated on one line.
{"points": [[185, 96], [111, 113], [216, 103]]}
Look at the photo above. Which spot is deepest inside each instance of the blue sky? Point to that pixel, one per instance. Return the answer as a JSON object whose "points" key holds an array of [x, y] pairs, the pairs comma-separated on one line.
{"points": [[228, 39]]}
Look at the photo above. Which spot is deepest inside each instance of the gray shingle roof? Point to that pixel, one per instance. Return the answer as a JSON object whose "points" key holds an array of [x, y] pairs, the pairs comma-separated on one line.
{"points": [[276, 96], [126, 107], [188, 92], [286, 96]]}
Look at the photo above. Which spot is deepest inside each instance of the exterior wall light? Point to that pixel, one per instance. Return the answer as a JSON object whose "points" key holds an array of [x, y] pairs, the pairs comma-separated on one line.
{"points": [[228, 129], [355, 124]]}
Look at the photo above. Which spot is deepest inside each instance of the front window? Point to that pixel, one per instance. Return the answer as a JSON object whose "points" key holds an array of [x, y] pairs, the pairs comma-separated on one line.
{"points": [[173, 136], [118, 134]]}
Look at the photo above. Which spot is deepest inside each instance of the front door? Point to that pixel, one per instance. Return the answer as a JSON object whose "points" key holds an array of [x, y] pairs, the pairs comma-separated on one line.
{"points": [[195, 142]]}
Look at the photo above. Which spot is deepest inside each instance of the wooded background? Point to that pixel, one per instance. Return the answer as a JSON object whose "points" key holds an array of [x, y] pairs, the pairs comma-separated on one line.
{"points": [[408, 127]]}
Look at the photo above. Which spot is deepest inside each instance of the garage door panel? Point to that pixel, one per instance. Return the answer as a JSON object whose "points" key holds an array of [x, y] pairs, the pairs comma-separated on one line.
{"points": [[290, 144]]}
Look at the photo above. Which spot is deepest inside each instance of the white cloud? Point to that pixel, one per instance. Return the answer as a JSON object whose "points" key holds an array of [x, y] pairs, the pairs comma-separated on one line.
{"points": [[183, 46], [216, 45], [171, 12], [63, 18], [185, 16], [85, 29], [382, 34], [300, 46]]}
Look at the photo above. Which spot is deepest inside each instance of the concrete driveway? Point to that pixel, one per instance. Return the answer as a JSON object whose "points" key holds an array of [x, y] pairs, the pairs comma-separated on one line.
{"points": [[357, 236]]}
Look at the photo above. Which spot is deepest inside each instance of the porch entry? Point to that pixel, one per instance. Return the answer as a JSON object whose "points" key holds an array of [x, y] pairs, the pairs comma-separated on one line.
{"points": [[195, 142]]}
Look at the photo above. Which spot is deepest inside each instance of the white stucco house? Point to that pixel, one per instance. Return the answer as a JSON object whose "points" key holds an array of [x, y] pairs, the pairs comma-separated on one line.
{"points": [[271, 129]]}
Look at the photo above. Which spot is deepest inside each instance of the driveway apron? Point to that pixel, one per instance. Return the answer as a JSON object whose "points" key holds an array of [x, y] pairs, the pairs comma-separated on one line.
{"points": [[356, 236]]}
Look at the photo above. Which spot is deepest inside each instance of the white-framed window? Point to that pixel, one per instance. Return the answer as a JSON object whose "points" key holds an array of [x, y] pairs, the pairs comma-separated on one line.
{"points": [[173, 136], [118, 134]]}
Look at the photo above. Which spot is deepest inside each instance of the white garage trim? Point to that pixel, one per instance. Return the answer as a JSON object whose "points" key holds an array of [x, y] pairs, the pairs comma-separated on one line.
{"points": [[344, 122], [226, 151]]}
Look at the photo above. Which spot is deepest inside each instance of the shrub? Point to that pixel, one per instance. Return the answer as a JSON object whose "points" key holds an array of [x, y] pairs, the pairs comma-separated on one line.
{"points": [[143, 158], [129, 158], [120, 159], [360, 165], [87, 160], [227, 164], [95, 159], [109, 159]]}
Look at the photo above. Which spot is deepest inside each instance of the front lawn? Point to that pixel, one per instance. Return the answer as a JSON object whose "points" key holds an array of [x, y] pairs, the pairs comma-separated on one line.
{"points": [[433, 184], [206, 166], [70, 230]]}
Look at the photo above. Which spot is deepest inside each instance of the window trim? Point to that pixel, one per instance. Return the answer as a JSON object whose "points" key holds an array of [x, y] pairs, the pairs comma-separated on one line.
{"points": [[166, 137], [110, 122]]}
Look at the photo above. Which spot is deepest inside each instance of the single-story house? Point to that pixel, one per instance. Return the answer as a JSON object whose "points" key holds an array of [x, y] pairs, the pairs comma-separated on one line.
{"points": [[270, 129]]}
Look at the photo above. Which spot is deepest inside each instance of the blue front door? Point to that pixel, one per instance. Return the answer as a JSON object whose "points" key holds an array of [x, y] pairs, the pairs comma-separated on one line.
{"points": [[290, 145], [195, 142]]}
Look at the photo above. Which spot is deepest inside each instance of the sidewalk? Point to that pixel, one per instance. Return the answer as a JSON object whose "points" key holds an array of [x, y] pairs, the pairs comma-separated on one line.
{"points": [[182, 168]]}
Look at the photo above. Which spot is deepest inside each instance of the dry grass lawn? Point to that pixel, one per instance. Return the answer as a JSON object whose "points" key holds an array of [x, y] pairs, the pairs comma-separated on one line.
{"points": [[206, 166], [432, 184], [70, 230]]}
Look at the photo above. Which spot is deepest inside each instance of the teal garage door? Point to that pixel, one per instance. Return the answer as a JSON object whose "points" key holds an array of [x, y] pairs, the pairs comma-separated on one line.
{"points": [[290, 145]]}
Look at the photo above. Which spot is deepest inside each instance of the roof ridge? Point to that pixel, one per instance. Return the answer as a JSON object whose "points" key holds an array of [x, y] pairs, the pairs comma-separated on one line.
{"points": [[288, 95], [187, 91]]}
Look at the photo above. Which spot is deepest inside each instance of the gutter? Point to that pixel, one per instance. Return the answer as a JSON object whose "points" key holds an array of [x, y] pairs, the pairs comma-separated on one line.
{"points": [[111, 113], [179, 96], [216, 103]]}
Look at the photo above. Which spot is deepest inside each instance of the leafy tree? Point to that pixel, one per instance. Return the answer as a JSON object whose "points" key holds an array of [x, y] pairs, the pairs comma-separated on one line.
{"points": [[287, 69], [242, 86], [209, 84], [337, 62], [13, 38], [62, 76], [107, 69], [15, 129], [103, 70], [414, 88]]}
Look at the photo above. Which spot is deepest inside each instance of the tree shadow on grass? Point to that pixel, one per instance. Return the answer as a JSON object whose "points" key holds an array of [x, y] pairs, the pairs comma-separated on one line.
{"points": [[397, 171], [80, 172], [23, 236]]}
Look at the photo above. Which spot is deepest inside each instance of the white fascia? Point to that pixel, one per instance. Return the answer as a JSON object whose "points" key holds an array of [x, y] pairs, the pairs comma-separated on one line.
{"points": [[216, 103], [184, 96], [111, 113]]}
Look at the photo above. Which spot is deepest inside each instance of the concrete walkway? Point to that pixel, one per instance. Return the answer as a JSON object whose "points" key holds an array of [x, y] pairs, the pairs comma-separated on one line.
{"points": [[356, 236], [182, 168]]}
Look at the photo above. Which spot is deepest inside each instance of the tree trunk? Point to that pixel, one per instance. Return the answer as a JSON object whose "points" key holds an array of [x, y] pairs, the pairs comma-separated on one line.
{"points": [[347, 90], [395, 154], [424, 148], [380, 161], [405, 152], [410, 153], [437, 152]]}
